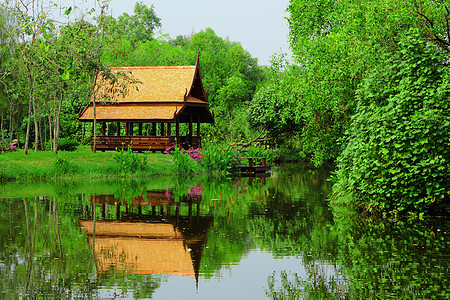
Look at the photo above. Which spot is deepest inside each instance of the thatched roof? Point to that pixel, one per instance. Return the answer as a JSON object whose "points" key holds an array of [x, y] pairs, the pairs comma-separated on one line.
{"points": [[160, 94]]}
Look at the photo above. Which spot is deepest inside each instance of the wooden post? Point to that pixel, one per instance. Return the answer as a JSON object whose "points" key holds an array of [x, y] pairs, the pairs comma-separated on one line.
{"points": [[177, 131], [126, 128], [140, 128], [198, 132], [162, 129], [154, 129], [117, 210], [103, 128], [103, 211], [131, 128], [168, 129], [190, 130], [118, 129]]}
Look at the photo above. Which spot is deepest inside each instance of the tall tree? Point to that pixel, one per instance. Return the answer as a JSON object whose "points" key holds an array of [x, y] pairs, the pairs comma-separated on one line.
{"points": [[136, 28]]}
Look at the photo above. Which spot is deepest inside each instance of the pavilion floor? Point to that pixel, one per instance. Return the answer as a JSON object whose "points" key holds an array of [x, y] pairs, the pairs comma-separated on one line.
{"points": [[142, 143]]}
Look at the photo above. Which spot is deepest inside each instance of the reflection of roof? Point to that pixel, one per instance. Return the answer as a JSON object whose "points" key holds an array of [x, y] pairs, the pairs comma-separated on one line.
{"points": [[139, 247]]}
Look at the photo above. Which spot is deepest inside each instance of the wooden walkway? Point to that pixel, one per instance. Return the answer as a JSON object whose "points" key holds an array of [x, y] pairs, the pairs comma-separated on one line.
{"points": [[254, 170]]}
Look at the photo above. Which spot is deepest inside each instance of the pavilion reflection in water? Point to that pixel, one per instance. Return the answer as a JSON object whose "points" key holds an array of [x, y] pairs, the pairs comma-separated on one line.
{"points": [[160, 242]]}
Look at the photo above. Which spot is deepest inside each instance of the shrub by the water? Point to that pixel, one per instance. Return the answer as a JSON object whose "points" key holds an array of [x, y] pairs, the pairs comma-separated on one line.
{"points": [[219, 157], [128, 162], [398, 146], [183, 162]]}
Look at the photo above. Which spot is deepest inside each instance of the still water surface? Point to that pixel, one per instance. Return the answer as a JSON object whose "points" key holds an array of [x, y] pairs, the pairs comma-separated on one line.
{"points": [[211, 238]]}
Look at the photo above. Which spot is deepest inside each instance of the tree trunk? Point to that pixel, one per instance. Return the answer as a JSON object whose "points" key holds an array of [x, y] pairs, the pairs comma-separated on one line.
{"points": [[36, 126], [94, 126], [57, 118], [27, 138], [83, 132]]}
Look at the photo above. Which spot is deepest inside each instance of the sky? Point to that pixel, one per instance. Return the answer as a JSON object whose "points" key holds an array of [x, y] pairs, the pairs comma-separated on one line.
{"points": [[259, 25]]}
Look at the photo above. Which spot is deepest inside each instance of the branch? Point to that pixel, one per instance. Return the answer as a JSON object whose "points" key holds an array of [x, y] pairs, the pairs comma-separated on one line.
{"points": [[258, 139]]}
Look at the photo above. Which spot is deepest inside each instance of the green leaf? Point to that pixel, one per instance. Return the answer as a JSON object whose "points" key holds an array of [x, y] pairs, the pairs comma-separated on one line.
{"points": [[68, 11]]}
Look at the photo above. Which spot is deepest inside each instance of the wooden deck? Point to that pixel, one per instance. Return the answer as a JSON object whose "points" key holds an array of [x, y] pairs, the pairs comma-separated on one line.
{"points": [[140, 143]]}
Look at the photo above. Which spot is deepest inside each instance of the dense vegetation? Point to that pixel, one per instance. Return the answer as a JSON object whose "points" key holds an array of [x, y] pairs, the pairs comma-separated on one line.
{"points": [[366, 90]]}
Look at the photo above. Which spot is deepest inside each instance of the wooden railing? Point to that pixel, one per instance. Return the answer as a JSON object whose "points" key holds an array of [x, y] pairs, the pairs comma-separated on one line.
{"points": [[140, 143]]}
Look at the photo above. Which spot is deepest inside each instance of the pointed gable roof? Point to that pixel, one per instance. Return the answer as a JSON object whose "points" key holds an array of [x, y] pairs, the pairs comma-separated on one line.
{"points": [[161, 94]]}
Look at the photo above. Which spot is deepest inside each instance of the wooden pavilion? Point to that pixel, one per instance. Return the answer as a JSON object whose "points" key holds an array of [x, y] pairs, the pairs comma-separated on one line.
{"points": [[164, 96]]}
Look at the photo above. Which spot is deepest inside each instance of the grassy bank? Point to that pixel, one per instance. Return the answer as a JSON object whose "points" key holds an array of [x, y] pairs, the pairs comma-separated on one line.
{"points": [[213, 158], [82, 163]]}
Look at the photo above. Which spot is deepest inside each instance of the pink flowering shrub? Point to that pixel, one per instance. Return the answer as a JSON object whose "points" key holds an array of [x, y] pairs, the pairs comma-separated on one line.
{"points": [[6, 146], [194, 153]]}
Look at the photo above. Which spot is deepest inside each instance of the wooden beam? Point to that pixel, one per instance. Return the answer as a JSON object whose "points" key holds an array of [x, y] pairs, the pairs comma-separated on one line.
{"points": [[126, 128], [103, 128], [118, 129]]}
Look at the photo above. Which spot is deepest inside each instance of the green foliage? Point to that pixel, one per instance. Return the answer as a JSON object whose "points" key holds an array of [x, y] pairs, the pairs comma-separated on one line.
{"points": [[63, 166], [272, 110], [183, 164], [397, 155], [128, 162], [219, 157], [137, 28], [67, 144]]}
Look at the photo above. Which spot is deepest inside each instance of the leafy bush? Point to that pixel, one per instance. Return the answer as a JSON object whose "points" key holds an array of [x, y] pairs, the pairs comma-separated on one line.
{"points": [[183, 163], [219, 157], [398, 154], [128, 162], [6, 146], [67, 144]]}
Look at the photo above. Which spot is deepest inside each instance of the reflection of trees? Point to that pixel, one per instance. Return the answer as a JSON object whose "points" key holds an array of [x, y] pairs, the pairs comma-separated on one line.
{"points": [[381, 260], [36, 259]]}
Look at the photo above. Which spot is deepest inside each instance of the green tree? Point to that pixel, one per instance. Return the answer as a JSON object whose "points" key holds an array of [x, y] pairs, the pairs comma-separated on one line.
{"points": [[232, 95], [397, 155], [334, 43], [137, 28]]}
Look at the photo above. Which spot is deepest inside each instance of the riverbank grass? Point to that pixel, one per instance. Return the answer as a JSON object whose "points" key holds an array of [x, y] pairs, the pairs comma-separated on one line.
{"points": [[82, 163]]}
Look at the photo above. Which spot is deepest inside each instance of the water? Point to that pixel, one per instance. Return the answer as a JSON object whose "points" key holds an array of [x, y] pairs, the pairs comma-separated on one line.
{"points": [[211, 238]]}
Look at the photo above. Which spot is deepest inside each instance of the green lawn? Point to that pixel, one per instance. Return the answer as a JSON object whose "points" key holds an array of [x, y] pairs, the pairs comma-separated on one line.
{"points": [[83, 163]]}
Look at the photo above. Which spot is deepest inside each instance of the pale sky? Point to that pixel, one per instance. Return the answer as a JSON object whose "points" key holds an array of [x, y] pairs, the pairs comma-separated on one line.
{"points": [[259, 25]]}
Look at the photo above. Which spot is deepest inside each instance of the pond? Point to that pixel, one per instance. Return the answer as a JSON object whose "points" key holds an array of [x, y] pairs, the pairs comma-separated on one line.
{"points": [[211, 238]]}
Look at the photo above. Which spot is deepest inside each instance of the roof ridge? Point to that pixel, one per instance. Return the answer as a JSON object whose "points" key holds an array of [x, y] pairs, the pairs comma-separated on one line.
{"points": [[153, 67]]}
